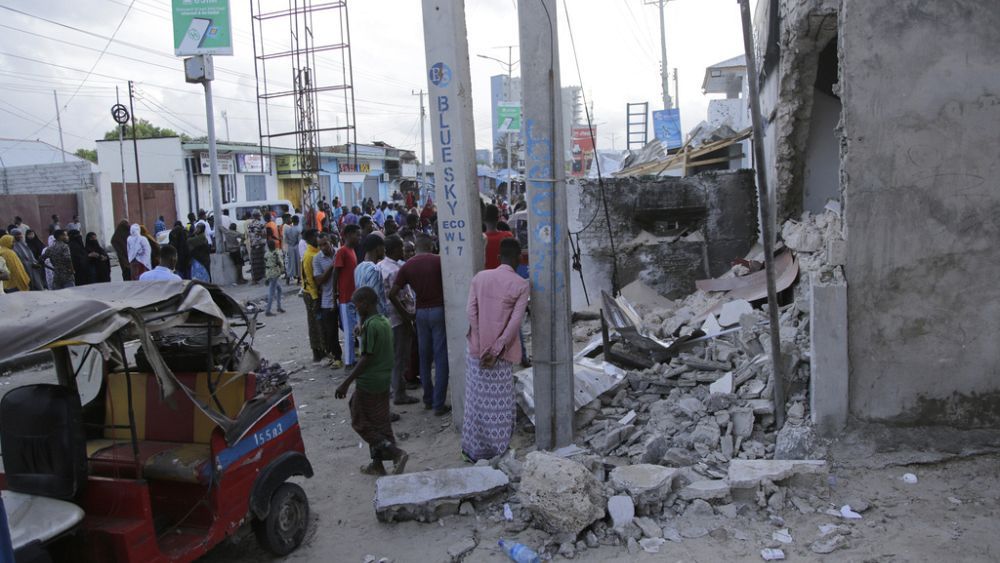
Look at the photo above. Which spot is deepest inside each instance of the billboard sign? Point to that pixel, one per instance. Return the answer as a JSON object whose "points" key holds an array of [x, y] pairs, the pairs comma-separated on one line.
{"points": [[202, 27], [225, 164], [508, 117], [253, 163], [667, 127], [582, 149]]}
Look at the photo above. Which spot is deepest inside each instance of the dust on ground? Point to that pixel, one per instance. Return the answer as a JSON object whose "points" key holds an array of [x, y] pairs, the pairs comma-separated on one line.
{"points": [[949, 514]]}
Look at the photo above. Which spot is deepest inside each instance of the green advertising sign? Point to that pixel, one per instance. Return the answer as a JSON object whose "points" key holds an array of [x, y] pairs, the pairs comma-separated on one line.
{"points": [[202, 27], [508, 117]]}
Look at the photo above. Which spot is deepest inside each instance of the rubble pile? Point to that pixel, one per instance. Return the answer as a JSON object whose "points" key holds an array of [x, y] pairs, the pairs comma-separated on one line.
{"points": [[689, 447]]}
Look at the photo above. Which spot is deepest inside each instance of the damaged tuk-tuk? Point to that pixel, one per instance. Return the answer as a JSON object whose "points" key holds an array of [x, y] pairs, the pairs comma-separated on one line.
{"points": [[164, 433]]}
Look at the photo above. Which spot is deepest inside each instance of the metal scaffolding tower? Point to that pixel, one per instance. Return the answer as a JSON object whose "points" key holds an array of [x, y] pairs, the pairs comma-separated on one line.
{"points": [[302, 51], [636, 125]]}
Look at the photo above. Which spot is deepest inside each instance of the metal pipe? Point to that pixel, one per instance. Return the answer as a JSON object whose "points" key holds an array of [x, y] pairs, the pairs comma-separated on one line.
{"points": [[767, 205]]}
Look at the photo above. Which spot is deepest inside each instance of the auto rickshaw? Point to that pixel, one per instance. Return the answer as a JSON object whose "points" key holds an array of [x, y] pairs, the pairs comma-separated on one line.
{"points": [[165, 433]]}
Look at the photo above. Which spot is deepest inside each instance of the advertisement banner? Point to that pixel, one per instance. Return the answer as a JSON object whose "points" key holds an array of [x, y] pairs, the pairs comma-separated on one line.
{"points": [[667, 127], [508, 117], [409, 170], [582, 148], [225, 164], [202, 27], [253, 163]]}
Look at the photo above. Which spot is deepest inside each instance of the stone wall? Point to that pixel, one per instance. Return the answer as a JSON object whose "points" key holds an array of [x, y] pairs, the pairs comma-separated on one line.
{"points": [[921, 118], [720, 207]]}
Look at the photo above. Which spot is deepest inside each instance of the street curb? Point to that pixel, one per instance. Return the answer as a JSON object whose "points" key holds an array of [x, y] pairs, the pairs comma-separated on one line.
{"points": [[28, 360]]}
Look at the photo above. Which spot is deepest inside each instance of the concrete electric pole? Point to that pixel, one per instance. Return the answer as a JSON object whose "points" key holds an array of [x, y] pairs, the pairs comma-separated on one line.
{"points": [[548, 244], [423, 156], [449, 90], [664, 69], [62, 149]]}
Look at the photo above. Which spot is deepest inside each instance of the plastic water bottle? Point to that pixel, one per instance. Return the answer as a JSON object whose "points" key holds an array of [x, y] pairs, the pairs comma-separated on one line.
{"points": [[519, 553]]}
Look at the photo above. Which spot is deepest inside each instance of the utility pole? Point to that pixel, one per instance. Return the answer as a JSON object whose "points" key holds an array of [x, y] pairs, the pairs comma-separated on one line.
{"points": [[545, 171], [449, 84], [225, 117], [677, 91], [664, 69], [423, 156], [62, 149], [135, 149], [767, 204], [121, 155]]}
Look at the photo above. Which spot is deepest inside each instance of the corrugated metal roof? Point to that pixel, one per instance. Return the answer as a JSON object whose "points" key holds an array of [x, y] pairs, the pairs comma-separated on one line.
{"points": [[15, 152]]}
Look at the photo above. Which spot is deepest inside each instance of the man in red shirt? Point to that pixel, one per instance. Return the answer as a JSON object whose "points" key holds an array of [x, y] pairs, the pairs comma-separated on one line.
{"points": [[493, 236], [423, 274], [344, 264]]}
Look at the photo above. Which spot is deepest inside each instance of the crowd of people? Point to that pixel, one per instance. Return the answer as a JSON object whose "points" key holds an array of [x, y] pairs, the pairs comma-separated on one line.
{"points": [[66, 259], [371, 282]]}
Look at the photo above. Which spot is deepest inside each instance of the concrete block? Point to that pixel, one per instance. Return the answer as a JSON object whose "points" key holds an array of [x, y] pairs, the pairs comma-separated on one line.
{"points": [[644, 482], [428, 495], [829, 368], [622, 511], [562, 495], [708, 489], [748, 473]]}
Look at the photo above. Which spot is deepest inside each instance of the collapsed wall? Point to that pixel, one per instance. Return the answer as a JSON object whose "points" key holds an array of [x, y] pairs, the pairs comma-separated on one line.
{"points": [[669, 231]]}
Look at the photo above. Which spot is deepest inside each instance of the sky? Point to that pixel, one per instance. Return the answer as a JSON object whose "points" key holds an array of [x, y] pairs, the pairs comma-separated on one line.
{"points": [[617, 45]]}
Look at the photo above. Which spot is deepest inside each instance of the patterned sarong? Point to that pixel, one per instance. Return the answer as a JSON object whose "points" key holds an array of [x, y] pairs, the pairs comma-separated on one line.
{"points": [[489, 409], [370, 418], [257, 263]]}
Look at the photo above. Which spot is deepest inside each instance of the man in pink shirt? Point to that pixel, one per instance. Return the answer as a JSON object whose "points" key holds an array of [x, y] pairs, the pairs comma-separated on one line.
{"points": [[497, 300]]}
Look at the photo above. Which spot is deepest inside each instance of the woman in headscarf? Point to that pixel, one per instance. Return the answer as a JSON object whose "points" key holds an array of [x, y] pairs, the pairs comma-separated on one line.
{"points": [[28, 260], [179, 240], [50, 270], [34, 243], [100, 263], [153, 245], [19, 279], [201, 254], [140, 253], [119, 241], [78, 252]]}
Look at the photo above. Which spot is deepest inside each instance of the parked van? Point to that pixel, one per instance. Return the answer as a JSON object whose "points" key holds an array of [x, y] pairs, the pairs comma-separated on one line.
{"points": [[239, 211]]}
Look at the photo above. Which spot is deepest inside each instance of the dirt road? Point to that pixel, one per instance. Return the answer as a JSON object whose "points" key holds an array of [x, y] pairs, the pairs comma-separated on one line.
{"points": [[949, 515]]}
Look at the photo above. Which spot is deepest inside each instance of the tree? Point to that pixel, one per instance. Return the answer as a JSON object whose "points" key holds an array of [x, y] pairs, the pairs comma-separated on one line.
{"points": [[145, 130], [87, 154]]}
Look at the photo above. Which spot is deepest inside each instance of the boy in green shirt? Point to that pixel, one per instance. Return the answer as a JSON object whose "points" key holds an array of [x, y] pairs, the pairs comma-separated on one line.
{"points": [[369, 404]]}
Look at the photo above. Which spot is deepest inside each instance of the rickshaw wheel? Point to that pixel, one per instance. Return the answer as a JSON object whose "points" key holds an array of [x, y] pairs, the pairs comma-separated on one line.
{"points": [[284, 528]]}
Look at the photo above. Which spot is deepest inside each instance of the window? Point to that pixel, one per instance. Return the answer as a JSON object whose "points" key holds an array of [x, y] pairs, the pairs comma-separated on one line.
{"points": [[228, 185], [256, 188]]}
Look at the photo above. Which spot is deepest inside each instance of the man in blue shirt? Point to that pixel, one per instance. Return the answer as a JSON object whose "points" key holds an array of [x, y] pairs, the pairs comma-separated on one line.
{"points": [[165, 271]]}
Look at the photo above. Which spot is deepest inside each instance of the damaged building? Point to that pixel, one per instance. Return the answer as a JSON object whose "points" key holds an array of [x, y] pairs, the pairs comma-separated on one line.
{"points": [[895, 112]]}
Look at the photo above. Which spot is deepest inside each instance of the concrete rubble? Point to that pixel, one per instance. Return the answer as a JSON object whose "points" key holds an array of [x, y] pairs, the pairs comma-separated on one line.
{"points": [[562, 495], [429, 495], [689, 446]]}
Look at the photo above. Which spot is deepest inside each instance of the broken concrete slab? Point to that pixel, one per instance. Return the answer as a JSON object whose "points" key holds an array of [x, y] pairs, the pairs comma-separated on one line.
{"points": [[733, 310], [723, 385], [428, 495], [645, 483], [748, 473], [742, 420], [649, 527], [562, 495], [708, 489]]}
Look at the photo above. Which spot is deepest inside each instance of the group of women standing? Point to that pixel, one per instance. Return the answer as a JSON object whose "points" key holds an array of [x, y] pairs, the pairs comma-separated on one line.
{"points": [[32, 270], [138, 252]]}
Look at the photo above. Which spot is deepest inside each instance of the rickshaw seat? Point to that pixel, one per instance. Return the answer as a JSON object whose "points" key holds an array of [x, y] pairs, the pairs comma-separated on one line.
{"points": [[172, 436], [166, 461]]}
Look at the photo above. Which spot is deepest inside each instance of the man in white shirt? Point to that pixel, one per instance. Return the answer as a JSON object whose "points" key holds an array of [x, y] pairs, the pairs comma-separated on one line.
{"points": [[165, 271], [402, 329], [209, 232]]}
